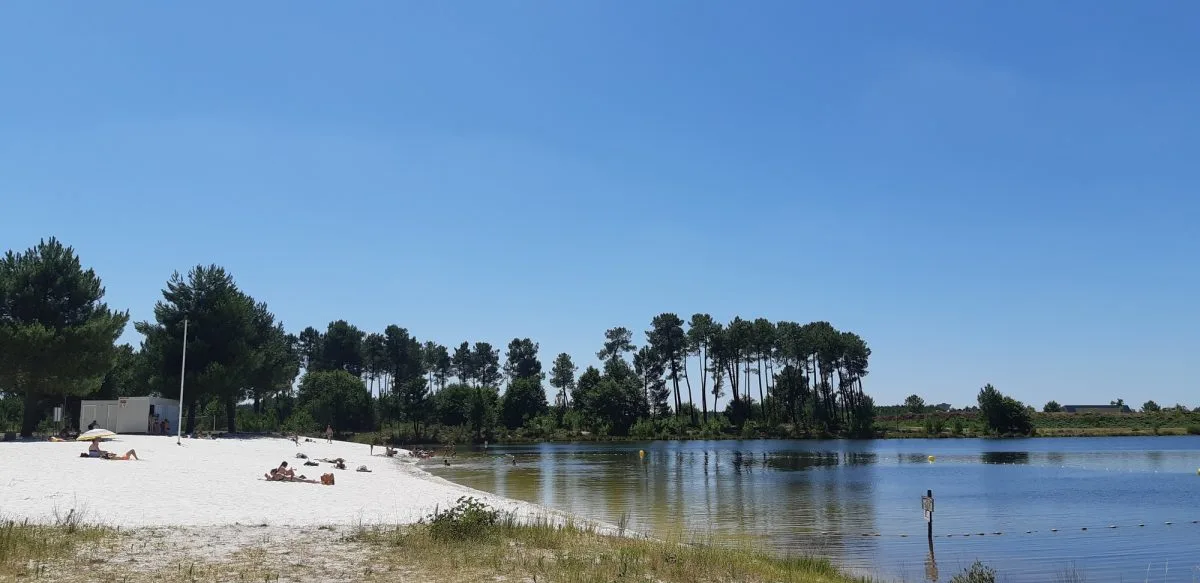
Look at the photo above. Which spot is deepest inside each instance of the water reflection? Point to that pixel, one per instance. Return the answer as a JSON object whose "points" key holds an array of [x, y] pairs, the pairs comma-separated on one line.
{"points": [[859, 502], [1004, 457]]}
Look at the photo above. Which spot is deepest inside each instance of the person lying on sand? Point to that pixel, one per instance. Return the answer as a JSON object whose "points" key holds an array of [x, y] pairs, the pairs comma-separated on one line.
{"points": [[276, 476], [95, 451], [338, 463]]}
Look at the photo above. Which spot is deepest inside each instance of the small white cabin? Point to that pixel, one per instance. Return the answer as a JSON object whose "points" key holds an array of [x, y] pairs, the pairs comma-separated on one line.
{"points": [[130, 414]]}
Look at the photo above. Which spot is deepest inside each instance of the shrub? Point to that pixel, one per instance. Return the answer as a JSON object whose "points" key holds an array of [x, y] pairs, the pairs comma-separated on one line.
{"points": [[958, 426], [935, 424], [467, 519], [976, 573], [1193, 429], [301, 422], [643, 429]]}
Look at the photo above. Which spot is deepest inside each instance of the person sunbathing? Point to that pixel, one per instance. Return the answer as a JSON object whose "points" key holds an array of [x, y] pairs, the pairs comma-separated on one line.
{"points": [[276, 476], [285, 471], [95, 451]]}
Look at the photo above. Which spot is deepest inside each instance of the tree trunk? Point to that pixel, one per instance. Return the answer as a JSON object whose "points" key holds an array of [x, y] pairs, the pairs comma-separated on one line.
{"points": [[31, 415], [688, 380], [191, 417], [231, 414], [704, 384], [762, 401]]}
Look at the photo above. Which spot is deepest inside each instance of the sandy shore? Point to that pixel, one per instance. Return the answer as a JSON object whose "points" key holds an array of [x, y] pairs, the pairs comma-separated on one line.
{"points": [[220, 482]]}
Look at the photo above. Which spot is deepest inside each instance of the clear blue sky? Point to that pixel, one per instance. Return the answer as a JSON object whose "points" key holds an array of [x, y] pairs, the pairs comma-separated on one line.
{"points": [[997, 192]]}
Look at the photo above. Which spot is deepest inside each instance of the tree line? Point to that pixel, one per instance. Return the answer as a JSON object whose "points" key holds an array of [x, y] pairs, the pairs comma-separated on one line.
{"points": [[58, 345]]}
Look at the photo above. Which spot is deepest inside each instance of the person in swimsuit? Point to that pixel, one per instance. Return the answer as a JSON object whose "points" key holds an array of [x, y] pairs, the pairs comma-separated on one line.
{"points": [[95, 451]]}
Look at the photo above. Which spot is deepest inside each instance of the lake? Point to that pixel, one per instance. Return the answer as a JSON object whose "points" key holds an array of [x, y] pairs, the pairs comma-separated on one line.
{"points": [[1020, 506]]}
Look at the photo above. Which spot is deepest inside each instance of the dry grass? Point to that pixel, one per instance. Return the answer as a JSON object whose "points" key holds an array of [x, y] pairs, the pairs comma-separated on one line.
{"points": [[28, 550], [571, 554], [507, 552], [1107, 431]]}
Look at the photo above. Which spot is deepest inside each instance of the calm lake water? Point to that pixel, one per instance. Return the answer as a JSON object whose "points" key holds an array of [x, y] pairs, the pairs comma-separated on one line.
{"points": [[859, 502]]}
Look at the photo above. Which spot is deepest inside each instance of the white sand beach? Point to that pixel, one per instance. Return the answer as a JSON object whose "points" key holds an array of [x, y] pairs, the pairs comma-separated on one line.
{"points": [[220, 482]]}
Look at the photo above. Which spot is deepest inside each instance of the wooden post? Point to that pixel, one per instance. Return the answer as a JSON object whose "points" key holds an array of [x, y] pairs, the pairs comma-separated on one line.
{"points": [[927, 506]]}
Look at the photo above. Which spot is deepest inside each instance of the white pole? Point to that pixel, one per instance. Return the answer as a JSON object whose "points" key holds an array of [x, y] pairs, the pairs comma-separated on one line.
{"points": [[182, 369]]}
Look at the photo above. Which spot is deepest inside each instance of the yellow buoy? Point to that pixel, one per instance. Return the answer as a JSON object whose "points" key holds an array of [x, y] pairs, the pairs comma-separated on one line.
{"points": [[641, 453], [931, 458]]}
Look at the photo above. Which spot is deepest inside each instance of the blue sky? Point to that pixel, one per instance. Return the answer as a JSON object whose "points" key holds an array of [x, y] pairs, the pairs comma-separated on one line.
{"points": [[993, 192]]}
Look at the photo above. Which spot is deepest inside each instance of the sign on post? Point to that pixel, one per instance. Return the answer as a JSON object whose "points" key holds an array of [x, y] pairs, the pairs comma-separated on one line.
{"points": [[927, 506]]}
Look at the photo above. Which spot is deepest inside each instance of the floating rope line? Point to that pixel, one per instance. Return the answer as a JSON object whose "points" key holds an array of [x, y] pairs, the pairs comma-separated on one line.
{"points": [[1001, 533]]}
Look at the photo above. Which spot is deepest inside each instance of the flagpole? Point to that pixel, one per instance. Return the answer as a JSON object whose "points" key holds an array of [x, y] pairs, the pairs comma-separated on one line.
{"points": [[182, 369]]}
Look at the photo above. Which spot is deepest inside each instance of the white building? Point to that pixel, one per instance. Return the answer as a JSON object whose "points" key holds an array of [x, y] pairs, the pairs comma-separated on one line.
{"points": [[129, 414]]}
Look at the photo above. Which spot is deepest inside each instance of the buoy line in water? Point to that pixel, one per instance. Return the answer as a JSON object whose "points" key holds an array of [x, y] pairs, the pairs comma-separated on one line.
{"points": [[1140, 525]]}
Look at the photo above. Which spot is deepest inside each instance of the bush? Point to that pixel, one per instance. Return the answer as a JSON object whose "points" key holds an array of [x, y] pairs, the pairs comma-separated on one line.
{"points": [[301, 422], [957, 427], [976, 573], [467, 519], [251, 422], [716, 427], [935, 424], [643, 429], [1193, 429]]}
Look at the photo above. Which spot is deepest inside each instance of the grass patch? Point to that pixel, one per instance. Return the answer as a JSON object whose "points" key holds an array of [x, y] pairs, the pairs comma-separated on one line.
{"points": [[466, 542], [28, 549], [498, 547]]}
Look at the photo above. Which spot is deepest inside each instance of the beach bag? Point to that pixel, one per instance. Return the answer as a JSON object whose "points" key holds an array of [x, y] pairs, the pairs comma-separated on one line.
{"points": [[327, 479]]}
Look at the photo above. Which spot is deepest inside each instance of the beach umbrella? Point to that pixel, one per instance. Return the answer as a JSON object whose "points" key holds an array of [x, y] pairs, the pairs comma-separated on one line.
{"points": [[93, 434]]}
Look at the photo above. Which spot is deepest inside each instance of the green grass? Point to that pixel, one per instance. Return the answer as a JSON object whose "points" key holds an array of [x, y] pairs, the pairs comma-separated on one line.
{"points": [[501, 548], [473, 543], [27, 550]]}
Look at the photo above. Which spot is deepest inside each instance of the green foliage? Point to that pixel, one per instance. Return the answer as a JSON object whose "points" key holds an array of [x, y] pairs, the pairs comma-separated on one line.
{"points": [[341, 348], [1003, 415], [336, 398], [935, 424], [524, 399], [1052, 407], [914, 404], [301, 422], [613, 399], [487, 365], [521, 360], [413, 400], [1150, 407], [10, 412], [1193, 429], [956, 427], [976, 573], [56, 335], [668, 347], [484, 411], [235, 347], [452, 405], [562, 377], [248, 420], [717, 426], [468, 519]]}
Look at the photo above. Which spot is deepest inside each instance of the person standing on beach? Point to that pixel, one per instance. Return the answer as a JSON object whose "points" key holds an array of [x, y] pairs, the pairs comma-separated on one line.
{"points": [[329, 434]]}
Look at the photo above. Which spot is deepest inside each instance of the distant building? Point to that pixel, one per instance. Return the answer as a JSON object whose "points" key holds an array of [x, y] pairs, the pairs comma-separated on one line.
{"points": [[1111, 409]]}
